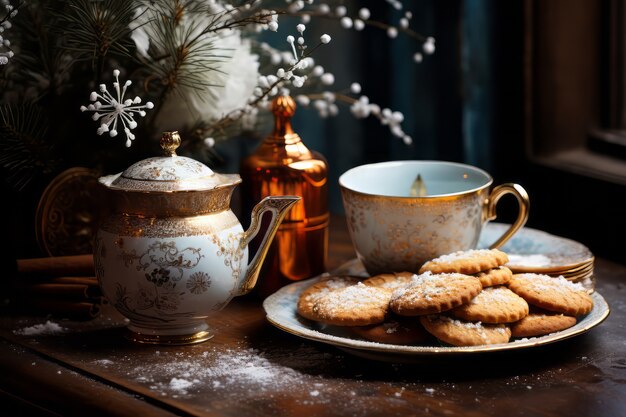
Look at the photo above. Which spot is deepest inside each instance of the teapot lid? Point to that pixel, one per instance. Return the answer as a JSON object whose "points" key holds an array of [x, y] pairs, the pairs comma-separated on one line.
{"points": [[169, 173]]}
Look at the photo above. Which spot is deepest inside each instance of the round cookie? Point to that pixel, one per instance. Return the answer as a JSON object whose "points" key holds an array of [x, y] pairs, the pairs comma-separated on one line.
{"points": [[553, 294], [462, 333], [433, 293], [466, 262], [356, 305], [493, 305], [536, 324], [396, 332], [391, 281], [309, 296], [495, 276]]}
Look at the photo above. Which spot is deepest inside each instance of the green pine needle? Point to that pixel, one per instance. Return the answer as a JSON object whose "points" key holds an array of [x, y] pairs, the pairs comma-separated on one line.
{"points": [[93, 29], [24, 152]]}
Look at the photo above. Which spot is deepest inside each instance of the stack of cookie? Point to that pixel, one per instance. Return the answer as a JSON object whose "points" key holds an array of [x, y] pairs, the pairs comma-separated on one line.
{"points": [[463, 299]]}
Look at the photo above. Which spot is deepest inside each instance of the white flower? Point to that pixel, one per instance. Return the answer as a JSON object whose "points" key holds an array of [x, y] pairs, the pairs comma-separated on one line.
{"points": [[225, 89], [325, 38], [392, 32], [116, 108], [418, 57], [359, 24], [355, 88], [346, 22]]}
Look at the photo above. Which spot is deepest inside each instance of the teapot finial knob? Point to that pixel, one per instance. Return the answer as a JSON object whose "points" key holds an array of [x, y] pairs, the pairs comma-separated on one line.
{"points": [[170, 141]]}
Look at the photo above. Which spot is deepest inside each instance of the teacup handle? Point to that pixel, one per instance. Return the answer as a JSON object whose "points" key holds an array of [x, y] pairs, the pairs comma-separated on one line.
{"points": [[524, 205]]}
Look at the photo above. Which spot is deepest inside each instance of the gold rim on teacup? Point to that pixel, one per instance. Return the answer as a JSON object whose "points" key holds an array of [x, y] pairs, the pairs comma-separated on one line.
{"points": [[393, 230]]}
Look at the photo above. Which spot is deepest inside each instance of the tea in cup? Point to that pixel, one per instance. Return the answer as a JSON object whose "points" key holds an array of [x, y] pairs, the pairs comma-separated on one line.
{"points": [[401, 214]]}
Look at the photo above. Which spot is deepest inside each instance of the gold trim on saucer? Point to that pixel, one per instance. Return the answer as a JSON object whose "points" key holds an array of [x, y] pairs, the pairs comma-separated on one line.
{"points": [[153, 339]]}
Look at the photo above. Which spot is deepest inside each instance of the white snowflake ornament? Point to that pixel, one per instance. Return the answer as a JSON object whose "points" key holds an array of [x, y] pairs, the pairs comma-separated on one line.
{"points": [[112, 109]]}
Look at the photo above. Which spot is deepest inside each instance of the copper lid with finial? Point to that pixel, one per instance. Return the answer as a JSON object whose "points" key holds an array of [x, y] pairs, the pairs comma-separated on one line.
{"points": [[169, 173]]}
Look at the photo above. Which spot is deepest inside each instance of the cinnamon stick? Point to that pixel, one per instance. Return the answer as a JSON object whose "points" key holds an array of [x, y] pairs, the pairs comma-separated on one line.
{"points": [[57, 266], [64, 309], [34, 279], [74, 280], [69, 291]]}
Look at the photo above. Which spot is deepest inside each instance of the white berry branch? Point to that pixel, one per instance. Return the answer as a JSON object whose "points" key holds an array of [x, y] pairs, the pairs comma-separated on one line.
{"points": [[5, 24]]}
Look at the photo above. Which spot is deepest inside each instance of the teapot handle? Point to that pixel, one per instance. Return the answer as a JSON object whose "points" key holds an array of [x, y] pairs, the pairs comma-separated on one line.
{"points": [[278, 206]]}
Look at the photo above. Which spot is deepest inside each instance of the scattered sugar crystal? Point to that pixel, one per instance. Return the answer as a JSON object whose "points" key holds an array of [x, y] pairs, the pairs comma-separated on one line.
{"points": [[242, 368], [430, 390], [179, 384], [48, 327], [314, 393], [391, 327]]}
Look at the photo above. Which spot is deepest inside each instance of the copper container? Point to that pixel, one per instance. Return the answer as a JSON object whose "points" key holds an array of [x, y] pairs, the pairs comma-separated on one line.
{"points": [[282, 164]]}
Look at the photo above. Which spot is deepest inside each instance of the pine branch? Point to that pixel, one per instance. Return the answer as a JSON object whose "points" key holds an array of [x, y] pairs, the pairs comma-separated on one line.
{"points": [[93, 29], [24, 152], [179, 55]]}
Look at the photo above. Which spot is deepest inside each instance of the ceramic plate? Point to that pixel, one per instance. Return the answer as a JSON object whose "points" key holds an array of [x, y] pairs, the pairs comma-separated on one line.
{"points": [[280, 308], [537, 251]]}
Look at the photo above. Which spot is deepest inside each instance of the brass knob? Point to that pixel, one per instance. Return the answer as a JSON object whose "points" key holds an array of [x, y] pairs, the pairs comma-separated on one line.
{"points": [[283, 107], [170, 141]]}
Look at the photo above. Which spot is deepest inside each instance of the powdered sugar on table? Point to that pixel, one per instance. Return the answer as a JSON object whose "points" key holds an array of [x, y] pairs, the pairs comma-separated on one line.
{"points": [[48, 327]]}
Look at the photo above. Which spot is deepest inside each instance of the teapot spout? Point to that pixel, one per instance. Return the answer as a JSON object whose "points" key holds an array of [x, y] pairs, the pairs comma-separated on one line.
{"points": [[278, 206]]}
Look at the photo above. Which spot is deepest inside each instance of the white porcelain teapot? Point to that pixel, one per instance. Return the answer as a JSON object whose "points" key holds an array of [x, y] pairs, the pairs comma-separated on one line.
{"points": [[173, 252]]}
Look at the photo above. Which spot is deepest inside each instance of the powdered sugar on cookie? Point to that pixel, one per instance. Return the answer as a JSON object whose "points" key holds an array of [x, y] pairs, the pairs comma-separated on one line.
{"points": [[546, 282], [357, 305], [467, 262], [462, 255], [353, 297]]}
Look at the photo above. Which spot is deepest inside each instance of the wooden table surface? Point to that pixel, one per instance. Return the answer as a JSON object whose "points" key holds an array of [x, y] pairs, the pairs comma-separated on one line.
{"points": [[251, 368]]}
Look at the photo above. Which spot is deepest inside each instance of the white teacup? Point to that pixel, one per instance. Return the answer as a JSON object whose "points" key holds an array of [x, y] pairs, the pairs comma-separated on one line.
{"points": [[392, 230]]}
